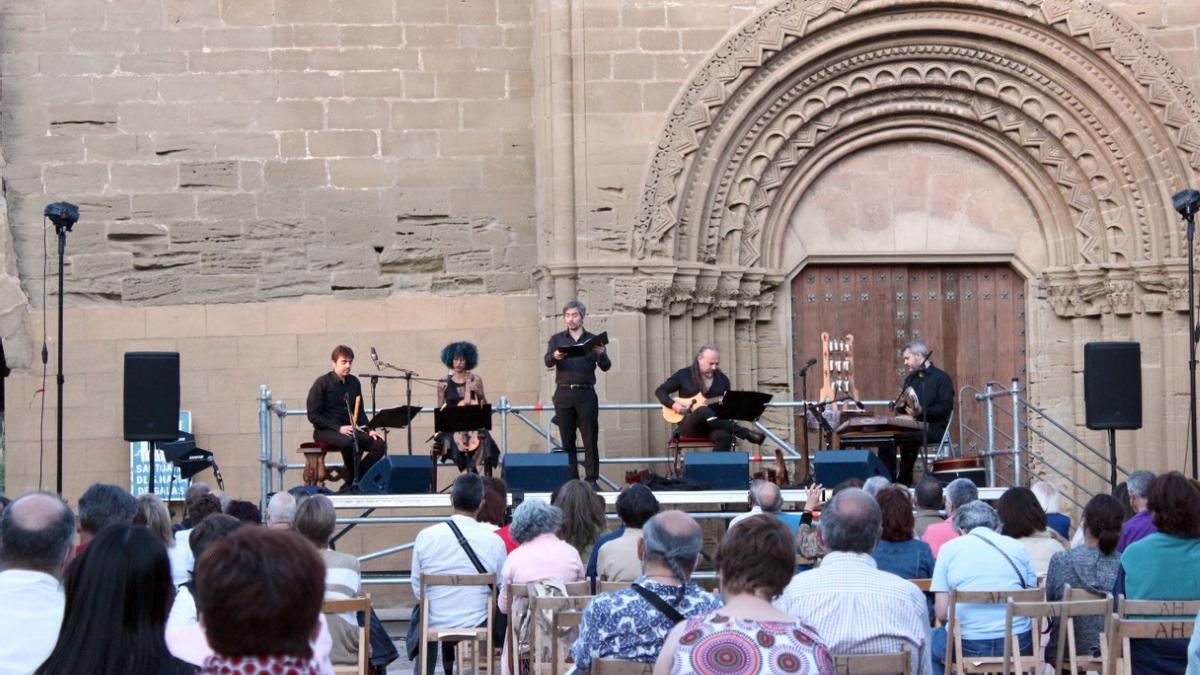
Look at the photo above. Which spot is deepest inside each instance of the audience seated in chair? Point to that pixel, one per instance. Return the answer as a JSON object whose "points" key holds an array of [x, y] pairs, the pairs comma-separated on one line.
{"points": [[35, 537], [102, 505], [183, 610], [118, 594], [874, 484], [199, 506], [898, 551], [315, 521], [438, 551], [540, 555], [854, 607], [281, 511], [244, 511], [766, 497], [619, 560], [625, 624], [583, 519], [1091, 567], [1022, 518], [259, 592], [1141, 523], [927, 499], [153, 515], [1164, 565], [1048, 497], [981, 559], [755, 561], [959, 493]]}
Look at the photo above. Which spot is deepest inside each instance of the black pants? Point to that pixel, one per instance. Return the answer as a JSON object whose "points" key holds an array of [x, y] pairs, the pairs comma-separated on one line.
{"points": [[373, 450], [579, 409], [720, 432], [910, 444]]}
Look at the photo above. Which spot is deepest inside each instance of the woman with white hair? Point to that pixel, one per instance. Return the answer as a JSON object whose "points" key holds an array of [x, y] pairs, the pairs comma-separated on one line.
{"points": [[540, 554], [1048, 496]]}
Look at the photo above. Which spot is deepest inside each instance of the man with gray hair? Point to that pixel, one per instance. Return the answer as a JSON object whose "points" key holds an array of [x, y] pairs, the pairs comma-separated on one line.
{"points": [[102, 505], [959, 493], [1142, 522], [855, 607], [575, 402], [981, 559], [766, 497], [281, 511], [632, 624], [934, 391], [874, 484], [35, 537]]}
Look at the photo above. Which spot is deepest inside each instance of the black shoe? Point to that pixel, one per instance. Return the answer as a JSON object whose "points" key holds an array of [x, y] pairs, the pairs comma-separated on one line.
{"points": [[345, 487], [755, 436]]}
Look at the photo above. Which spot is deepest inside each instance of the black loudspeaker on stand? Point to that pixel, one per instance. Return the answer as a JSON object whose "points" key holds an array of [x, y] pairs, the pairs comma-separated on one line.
{"points": [[535, 471], [151, 398], [834, 466], [1112, 391]]}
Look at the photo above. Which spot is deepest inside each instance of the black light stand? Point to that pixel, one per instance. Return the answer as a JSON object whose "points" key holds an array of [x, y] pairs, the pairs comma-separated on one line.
{"points": [[64, 215], [1187, 202]]}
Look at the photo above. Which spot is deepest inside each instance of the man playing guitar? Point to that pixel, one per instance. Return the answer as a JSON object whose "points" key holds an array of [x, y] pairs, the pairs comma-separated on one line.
{"points": [[695, 389]]}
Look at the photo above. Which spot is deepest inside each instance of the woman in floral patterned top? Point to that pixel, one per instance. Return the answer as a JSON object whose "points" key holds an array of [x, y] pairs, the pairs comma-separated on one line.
{"points": [[748, 635]]}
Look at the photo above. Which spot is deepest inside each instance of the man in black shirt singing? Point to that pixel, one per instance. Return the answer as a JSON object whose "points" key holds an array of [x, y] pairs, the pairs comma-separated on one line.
{"points": [[330, 400], [703, 377], [935, 392], [575, 402]]}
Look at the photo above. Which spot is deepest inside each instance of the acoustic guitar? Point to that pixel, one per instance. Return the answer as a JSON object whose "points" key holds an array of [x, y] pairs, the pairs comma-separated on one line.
{"points": [[690, 404]]}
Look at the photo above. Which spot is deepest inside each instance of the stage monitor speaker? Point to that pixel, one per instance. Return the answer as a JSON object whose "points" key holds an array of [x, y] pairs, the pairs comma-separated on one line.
{"points": [[1112, 385], [834, 466], [399, 475], [151, 396], [719, 470], [535, 471]]}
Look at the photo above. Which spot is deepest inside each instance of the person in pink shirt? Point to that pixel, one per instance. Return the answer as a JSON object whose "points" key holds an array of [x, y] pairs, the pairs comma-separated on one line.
{"points": [[541, 555], [960, 491]]}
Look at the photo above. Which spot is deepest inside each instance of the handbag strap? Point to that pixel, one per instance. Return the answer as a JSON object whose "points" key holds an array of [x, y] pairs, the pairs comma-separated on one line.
{"points": [[1020, 576], [462, 541], [660, 604]]}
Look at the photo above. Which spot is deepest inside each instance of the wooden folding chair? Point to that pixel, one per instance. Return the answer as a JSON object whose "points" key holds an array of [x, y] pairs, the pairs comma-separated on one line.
{"points": [[612, 586], [352, 605], [1014, 661], [922, 584], [1077, 662], [621, 667], [480, 637], [561, 658], [1125, 630], [1162, 614], [515, 592], [872, 664], [978, 664], [538, 640]]}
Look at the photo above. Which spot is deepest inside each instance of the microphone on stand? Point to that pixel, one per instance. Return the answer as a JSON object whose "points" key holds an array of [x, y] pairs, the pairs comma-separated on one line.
{"points": [[375, 359], [809, 364]]}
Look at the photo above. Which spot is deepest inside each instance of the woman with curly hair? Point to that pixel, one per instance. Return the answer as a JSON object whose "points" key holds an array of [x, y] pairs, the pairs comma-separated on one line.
{"points": [[583, 515], [459, 388]]}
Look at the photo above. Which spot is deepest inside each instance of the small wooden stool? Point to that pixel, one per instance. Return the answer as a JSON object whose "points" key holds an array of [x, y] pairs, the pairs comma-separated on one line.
{"points": [[315, 473]]}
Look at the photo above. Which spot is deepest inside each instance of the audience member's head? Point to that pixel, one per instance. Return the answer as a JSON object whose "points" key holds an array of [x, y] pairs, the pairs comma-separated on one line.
{"points": [[259, 592], [153, 515], [895, 509], [118, 594], [757, 557], [928, 494], [850, 522], [766, 495], [316, 520], [582, 513], [533, 518], [495, 502], [212, 528], [102, 505], [36, 533], [960, 492], [281, 510], [874, 484], [1102, 520], [244, 511], [1175, 503], [1138, 485], [635, 505], [1020, 513], [1047, 496], [671, 539], [975, 514], [847, 484], [466, 494], [202, 506]]}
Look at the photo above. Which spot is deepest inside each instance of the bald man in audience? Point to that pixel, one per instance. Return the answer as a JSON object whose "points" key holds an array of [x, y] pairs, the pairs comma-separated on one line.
{"points": [[766, 497], [281, 511], [35, 537]]}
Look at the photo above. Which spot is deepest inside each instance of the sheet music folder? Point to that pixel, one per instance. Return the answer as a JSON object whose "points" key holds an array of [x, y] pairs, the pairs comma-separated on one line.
{"points": [[581, 348], [394, 418], [463, 418], [742, 405]]}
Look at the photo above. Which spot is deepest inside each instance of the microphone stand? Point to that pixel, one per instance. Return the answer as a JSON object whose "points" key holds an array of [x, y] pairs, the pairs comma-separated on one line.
{"points": [[354, 486], [804, 425], [408, 376]]}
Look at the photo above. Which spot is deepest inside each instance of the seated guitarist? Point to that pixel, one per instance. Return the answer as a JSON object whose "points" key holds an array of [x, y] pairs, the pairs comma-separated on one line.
{"points": [[704, 379]]}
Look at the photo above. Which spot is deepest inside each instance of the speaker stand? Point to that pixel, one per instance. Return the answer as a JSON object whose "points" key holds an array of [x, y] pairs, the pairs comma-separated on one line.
{"points": [[153, 460], [1193, 335], [1112, 457]]}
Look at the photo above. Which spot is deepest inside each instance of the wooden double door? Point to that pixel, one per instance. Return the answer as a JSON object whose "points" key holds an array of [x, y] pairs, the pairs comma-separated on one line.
{"points": [[972, 317]]}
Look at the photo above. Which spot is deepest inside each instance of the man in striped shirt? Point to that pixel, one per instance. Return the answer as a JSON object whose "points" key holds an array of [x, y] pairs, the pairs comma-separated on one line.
{"points": [[856, 608]]}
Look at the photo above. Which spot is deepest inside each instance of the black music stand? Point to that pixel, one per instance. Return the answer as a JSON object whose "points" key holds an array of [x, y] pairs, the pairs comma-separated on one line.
{"points": [[463, 418], [742, 405], [394, 418]]}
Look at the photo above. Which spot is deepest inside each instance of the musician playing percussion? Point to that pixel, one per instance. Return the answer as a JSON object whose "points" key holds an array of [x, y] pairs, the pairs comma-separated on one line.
{"points": [[703, 377], [462, 387], [935, 394], [330, 400]]}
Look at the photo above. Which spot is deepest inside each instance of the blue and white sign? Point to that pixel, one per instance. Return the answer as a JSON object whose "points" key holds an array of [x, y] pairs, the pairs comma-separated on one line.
{"points": [[164, 471]]}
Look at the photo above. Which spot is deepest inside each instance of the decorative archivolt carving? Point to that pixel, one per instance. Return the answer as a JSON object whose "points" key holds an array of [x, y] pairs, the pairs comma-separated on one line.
{"points": [[1149, 289], [1121, 77]]}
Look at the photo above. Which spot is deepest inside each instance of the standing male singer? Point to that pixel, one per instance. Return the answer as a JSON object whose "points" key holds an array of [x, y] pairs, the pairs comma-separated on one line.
{"points": [[575, 402], [935, 392], [330, 400]]}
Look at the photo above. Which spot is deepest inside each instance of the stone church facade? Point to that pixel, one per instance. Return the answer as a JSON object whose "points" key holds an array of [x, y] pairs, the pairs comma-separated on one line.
{"points": [[260, 180]]}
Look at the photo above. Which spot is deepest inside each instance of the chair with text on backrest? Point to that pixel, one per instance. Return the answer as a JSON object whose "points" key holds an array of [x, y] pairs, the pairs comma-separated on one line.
{"points": [[354, 605], [621, 667], [564, 631], [519, 645], [1014, 661], [479, 636], [955, 661], [873, 664], [1146, 620], [544, 638], [1069, 657]]}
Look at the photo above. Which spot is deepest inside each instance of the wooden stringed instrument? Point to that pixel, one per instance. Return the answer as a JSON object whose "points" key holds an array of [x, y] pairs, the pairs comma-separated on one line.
{"points": [[781, 470], [690, 404], [468, 441]]}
